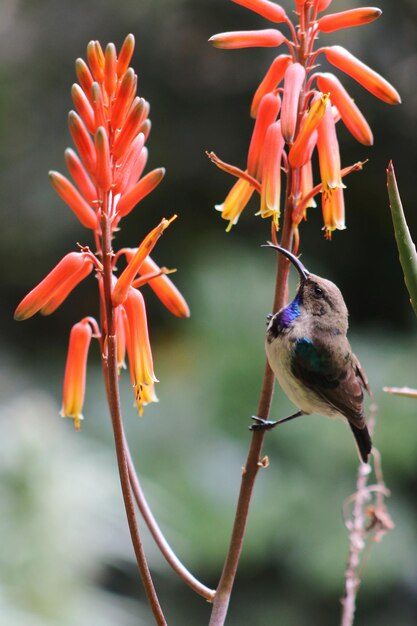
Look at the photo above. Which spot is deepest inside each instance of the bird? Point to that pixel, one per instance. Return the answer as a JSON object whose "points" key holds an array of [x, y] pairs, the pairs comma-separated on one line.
{"points": [[308, 351]]}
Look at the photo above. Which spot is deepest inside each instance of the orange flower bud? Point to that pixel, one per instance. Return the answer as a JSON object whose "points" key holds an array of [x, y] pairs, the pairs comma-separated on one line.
{"points": [[68, 271], [110, 65], [100, 116], [95, 59], [321, 5], [165, 289], [80, 176], [103, 173], [271, 173], [364, 75], [267, 38], [140, 191], [333, 208], [138, 113], [138, 345], [145, 128], [83, 106], [347, 19], [300, 151], [64, 289], [267, 114], [236, 200], [349, 112], [271, 11], [121, 289], [82, 141], [84, 77], [293, 84], [125, 55], [124, 99], [271, 80], [329, 155], [129, 170], [75, 372], [72, 197]]}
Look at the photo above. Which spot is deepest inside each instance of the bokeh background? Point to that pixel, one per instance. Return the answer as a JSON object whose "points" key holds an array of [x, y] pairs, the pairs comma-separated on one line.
{"points": [[65, 556]]}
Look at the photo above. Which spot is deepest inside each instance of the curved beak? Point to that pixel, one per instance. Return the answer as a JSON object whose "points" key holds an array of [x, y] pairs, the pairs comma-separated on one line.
{"points": [[304, 274]]}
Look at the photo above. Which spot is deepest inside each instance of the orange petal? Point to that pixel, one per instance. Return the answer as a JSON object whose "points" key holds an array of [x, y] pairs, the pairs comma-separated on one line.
{"points": [[121, 289], [300, 151], [84, 77], [83, 106], [131, 127], [333, 208], [82, 141], [124, 99], [100, 115], [75, 372], [267, 38], [165, 289], [67, 269], [349, 112], [293, 84], [271, 80], [125, 55], [72, 197], [80, 176], [321, 5], [138, 345], [271, 173], [347, 19], [110, 65], [329, 155], [271, 11], [140, 191], [364, 75], [103, 172], [267, 114], [95, 58], [236, 200], [121, 337], [64, 289]]}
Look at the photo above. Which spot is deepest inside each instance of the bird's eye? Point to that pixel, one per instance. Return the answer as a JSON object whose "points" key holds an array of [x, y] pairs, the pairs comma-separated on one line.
{"points": [[318, 291]]}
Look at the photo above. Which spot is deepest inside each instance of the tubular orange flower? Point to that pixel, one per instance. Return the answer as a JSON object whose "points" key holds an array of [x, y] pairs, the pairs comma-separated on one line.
{"points": [[83, 142], [267, 114], [236, 200], [267, 38], [306, 176], [131, 127], [299, 153], [349, 112], [271, 80], [125, 55], [293, 84], [121, 337], [66, 190], [321, 5], [347, 19], [364, 75], [140, 191], [124, 99], [80, 176], [84, 77], [83, 106], [129, 170], [333, 208], [122, 287], [163, 287], [58, 296], [68, 271], [75, 372], [110, 66], [95, 58], [271, 11], [103, 173], [271, 173], [100, 115], [138, 345]]}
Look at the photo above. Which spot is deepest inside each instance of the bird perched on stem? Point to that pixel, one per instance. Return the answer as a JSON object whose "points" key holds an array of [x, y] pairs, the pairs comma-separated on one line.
{"points": [[309, 353]]}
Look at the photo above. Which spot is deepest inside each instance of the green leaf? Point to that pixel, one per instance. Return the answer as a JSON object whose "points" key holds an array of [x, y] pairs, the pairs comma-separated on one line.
{"points": [[405, 245]]}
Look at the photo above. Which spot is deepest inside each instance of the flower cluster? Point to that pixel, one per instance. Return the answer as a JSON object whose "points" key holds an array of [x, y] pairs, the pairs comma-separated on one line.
{"points": [[109, 128], [296, 110]]}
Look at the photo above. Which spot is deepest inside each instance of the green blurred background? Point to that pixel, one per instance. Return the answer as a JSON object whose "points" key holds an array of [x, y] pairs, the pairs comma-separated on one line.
{"points": [[65, 555]]}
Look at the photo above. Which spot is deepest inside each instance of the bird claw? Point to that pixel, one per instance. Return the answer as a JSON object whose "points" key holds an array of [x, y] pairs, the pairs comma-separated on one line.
{"points": [[261, 424]]}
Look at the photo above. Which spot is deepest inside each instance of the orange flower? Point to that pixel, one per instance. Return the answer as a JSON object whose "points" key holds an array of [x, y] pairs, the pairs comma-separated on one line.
{"points": [[347, 19], [66, 275], [137, 193], [271, 173], [267, 38], [321, 5], [138, 347], [300, 151], [293, 84], [349, 112], [80, 176], [271, 80], [66, 190], [333, 209], [267, 114], [271, 11], [83, 142], [373, 82], [163, 287], [236, 200], [75, 372]]}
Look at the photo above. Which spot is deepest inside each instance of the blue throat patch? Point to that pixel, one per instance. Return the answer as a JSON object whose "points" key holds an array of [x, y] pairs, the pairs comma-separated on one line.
{"points": [[290, 313]]}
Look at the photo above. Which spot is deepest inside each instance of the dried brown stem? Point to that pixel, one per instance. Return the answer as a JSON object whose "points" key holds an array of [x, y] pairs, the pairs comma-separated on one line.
{"points": [[253, 461]]}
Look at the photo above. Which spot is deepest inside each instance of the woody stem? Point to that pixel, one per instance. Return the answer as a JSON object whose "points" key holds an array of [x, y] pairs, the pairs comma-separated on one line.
{"points": [[112, 387], [253, 461]]}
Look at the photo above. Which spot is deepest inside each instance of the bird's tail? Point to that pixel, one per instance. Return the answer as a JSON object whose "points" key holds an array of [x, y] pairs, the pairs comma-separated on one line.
{"points": [[363, 439]]}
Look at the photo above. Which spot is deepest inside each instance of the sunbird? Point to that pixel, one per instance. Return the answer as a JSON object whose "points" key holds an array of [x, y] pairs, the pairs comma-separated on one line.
{"points": [[310, 355]]}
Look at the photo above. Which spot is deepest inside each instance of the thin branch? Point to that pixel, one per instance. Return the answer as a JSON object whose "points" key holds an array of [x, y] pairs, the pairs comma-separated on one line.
{"points": [[112, 387], [159, 538], [253, 462]]}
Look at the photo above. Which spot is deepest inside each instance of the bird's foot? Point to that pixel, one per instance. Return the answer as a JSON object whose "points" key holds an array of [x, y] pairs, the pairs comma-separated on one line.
{"points": [[261, 424]]}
